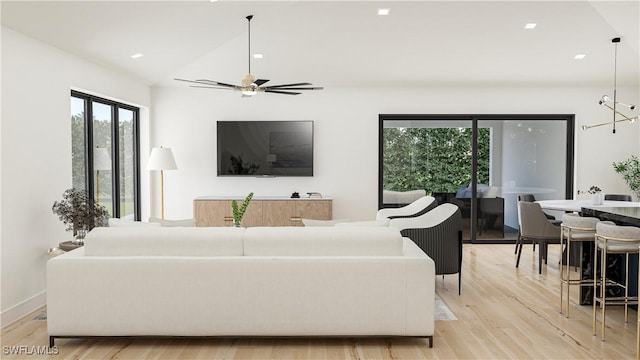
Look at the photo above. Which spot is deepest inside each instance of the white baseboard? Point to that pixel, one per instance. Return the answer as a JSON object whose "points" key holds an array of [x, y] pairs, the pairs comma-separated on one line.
{"points": [[20, 310]]}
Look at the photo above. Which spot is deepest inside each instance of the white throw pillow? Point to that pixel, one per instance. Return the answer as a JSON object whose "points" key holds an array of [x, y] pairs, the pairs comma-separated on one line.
{"points": [[370, 223], [173, 223], [115, 222], [317, 223]]}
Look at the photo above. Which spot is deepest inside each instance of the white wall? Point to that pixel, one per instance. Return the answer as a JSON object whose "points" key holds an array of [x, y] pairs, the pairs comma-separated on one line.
{"points": [[346, 136], [36, 156]]}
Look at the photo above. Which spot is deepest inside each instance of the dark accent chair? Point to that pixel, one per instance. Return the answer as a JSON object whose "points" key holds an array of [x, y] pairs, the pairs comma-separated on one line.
{"points": [[535, 226], [416, 208], [439, 234], [618, 197]]}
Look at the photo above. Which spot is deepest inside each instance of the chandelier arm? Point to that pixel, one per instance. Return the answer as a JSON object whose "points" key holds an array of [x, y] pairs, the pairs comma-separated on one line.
{"points": [[586, 127], [617, 112]]}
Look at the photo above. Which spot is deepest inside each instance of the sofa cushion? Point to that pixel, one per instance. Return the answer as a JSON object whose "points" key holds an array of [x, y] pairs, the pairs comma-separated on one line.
{"points": [[322, 241], [320, 223], [367, 223], [115, 222], [160, 241], [173, 223]]}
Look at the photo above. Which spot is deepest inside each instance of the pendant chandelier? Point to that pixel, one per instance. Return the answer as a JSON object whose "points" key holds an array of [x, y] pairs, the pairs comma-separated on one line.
{"points": [[613, 103]]}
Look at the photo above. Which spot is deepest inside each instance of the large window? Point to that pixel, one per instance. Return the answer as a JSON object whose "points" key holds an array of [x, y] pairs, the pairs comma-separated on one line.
{"points": [[479, 163], [420, 155], [105, 153]]}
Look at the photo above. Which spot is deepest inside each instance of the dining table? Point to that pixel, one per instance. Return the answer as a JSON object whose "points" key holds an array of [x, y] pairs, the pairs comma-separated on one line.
{"points": [[626, 213], [572, 205]]}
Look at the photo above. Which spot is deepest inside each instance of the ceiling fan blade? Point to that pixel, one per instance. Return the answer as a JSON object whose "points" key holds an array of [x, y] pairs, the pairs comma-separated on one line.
{"points": [[282, 92], [206, 82], [287, 85], [295, 88], [211, 87], [215, 83], [260, 82]]}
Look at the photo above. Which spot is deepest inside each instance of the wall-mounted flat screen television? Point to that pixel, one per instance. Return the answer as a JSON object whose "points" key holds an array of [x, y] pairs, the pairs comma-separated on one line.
{"points": [[265, 148]]}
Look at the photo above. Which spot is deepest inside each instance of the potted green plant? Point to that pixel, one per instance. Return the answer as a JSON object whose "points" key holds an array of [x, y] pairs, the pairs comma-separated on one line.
{"points": [[80, 213], [630, 171], [238, 212]]}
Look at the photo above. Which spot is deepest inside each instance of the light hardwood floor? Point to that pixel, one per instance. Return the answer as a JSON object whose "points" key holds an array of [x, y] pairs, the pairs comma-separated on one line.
{"points": [[503, 313]]}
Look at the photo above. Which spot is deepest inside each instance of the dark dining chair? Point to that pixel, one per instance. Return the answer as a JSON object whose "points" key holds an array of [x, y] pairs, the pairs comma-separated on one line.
{"points": [[538, 229], [618, 197]]}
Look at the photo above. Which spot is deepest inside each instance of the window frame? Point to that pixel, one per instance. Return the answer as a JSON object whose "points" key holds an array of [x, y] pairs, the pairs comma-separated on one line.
{"points": [[115, 145], [474, 119]]}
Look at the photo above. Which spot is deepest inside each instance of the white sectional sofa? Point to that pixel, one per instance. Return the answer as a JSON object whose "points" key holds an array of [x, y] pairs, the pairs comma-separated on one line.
{"points": [[287, 281]]}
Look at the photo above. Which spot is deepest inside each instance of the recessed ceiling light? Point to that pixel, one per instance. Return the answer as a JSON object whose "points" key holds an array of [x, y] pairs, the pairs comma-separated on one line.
{"points": [[135, 56], [579, 56], [258, 56], [383, 11], [530, 26]]}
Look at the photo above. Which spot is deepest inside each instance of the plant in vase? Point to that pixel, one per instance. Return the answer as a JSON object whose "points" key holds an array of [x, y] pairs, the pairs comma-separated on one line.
{"points": [[596, 194], [630, 171], [80, 213], [238, 212]]}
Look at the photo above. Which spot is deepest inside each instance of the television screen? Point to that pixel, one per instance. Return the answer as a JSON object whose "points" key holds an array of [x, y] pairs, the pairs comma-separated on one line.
{"points": [[265, 148]]}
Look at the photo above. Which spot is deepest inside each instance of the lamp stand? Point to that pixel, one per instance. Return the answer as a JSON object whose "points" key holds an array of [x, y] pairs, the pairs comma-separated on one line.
{"points": [[162, 193]]}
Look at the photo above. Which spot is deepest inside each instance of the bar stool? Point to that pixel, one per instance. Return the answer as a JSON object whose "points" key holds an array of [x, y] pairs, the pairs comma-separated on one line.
{"points": [[613, 239], [575, 228]]}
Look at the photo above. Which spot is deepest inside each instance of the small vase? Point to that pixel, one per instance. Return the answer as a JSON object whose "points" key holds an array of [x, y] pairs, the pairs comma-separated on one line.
{"points": [[237, 223], [79, 238], [597, 198]]}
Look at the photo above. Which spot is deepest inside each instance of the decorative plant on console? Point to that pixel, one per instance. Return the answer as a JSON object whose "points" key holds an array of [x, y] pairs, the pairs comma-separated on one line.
{"points": [[630, 171], [238, 213], [80, 213]]}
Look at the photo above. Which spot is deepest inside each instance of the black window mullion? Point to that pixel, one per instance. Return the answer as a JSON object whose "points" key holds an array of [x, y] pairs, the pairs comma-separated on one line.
{"points": [[136, 164], [88, 151], [474, 177], [115, 160]]}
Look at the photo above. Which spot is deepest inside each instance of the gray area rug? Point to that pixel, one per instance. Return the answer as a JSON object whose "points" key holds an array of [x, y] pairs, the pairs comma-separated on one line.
{"points": [[442, 312]]}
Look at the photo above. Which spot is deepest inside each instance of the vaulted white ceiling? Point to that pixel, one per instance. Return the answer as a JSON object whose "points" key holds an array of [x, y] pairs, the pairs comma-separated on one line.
{"points": [[345, 43]]}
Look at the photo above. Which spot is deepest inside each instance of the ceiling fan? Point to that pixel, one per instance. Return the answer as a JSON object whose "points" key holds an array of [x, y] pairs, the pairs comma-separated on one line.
{"points": [[250, 85]]}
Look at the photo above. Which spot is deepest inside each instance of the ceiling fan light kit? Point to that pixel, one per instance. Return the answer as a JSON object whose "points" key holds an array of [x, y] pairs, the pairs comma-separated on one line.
{"points": [[250, 85], [613, 104]]}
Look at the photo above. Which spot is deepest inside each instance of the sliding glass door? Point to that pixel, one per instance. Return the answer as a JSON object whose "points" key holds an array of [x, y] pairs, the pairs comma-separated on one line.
{"points": [[478, 162], [427, 157]]}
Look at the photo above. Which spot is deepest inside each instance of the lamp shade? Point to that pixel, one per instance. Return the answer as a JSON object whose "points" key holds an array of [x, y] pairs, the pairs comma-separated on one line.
{"points": [[161, 158], [101, 159]]}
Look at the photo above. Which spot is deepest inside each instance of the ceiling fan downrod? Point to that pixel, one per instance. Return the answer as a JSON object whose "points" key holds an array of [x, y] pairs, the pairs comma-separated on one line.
{"points": [[249, 26]]}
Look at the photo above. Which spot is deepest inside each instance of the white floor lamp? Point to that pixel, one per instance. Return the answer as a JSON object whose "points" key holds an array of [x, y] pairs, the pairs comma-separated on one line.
{"points": [[101, 162], [161, 158]]}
